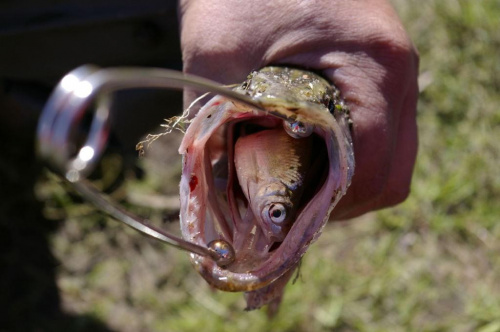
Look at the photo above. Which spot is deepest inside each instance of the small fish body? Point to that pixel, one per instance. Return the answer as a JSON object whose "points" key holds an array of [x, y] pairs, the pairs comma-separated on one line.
{"points": [[264, 182], [271, 167]]}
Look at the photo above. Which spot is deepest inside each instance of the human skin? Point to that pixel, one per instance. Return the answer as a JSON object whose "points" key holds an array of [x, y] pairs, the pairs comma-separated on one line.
{"points": [[360, 46]]}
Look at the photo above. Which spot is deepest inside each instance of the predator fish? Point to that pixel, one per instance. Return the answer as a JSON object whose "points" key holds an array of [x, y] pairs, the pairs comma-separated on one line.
{"points": [[264, 182]]}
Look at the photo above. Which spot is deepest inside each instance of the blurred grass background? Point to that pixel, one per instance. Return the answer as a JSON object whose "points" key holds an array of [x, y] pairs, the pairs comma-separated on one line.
{"points": [[430, 264]]}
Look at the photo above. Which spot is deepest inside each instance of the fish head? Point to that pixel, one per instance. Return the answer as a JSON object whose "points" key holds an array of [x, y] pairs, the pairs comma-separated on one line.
{"points": [[265, 182]]}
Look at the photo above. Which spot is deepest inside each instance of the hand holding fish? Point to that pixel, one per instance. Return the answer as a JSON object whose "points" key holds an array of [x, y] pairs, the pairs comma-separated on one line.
{"points": [[360, 46]]}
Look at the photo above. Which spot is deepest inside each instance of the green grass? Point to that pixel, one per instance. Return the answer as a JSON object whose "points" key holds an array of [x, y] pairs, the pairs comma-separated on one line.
{"points": [[430, 264]]}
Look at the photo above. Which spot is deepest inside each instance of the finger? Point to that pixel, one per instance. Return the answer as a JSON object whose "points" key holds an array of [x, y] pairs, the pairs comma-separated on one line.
{"points": [[372, 133], [403, 161], [396, 187]]}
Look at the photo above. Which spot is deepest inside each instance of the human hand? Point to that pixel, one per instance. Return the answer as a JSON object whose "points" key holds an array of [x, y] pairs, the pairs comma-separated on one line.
{"points": [[360, 46]]}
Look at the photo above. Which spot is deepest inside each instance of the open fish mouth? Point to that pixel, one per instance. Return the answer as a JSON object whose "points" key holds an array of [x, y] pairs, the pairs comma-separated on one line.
{"points": [[264, 182], [233, 164]]}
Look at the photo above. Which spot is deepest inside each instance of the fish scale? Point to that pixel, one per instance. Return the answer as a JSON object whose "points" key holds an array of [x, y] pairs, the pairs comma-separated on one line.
{"points": [[272, 155]]}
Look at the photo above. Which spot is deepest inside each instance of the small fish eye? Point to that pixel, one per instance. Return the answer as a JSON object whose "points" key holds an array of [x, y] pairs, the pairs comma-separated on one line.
{"points": [[277, 213]]}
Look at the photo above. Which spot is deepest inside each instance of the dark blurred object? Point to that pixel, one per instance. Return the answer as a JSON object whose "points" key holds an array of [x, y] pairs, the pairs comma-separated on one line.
{"points": [[40, 41]]}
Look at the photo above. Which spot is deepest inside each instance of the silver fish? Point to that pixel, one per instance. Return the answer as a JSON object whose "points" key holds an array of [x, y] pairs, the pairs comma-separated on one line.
{"points": [[271, 167], [264, 182]]}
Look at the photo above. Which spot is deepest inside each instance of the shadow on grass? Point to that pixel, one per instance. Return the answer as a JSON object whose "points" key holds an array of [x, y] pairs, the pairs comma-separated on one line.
{"points": [[29, 297]]}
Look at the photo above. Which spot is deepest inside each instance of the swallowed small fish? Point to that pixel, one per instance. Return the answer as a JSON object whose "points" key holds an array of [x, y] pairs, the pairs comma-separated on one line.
{"points": [[271, 167], [264, 182]]}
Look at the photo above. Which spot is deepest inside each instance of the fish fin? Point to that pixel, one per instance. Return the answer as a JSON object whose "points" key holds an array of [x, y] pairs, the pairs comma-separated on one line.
{"points": [[273, 307], [271, 295]]}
